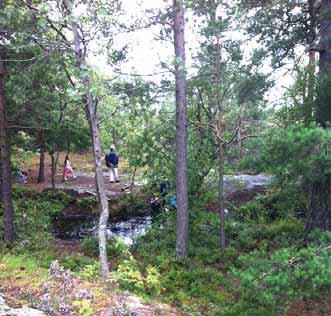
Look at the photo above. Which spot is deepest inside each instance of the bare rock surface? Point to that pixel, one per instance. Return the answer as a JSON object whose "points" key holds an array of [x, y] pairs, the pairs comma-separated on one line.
{"points": [[5, 310]]}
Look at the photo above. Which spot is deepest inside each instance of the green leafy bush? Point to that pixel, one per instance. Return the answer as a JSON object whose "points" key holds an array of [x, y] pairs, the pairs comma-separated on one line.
{"points": [[90, 272], [76, 263], [183, 282], [152, 281], [128, 276], [56, 196], [115, 247], [83, 307]]}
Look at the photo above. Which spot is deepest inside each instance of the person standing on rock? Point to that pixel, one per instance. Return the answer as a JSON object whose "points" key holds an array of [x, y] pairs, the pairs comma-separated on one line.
{"points": [[112, 164], [68, 171]]}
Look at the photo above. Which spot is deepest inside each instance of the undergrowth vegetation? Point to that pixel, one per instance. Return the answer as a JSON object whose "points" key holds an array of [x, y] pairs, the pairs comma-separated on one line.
{"points": [[265, 266], [33, 221]]}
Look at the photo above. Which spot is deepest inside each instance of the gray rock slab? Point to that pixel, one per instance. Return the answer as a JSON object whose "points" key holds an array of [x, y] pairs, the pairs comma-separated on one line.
{"points": [[234, 183], [5, 310]]}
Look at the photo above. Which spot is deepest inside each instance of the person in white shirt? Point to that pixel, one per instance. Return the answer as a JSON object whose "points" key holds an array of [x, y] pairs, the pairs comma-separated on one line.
{"points": [[68, 171]]}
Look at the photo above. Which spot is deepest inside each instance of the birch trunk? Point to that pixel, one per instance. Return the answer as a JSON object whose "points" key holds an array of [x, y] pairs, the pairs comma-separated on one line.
{"points": [[133, 179], [91, 114]]}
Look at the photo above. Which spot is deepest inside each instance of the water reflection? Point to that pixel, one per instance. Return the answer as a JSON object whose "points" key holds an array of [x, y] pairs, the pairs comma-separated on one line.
{"points": [[127, 230]]}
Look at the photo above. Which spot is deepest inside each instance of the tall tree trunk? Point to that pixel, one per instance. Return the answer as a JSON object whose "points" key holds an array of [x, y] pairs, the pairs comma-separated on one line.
{"points": [[53, 170], [325, 33], [103, 202], [319, 210], [42, 148], [220, 141], [219, 135], [241, 147], [6, 186], [91, 113], [181, 132], [309, 100]]}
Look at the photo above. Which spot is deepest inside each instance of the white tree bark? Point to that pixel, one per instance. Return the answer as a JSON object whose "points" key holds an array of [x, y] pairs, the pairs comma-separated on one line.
{"points": [[91, 113]]}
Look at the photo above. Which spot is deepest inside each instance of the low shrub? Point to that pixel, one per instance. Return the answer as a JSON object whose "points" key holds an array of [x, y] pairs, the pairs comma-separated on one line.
{"points": [[284, 201], [90, 272], [128, 276], [270, 280], [62, 296], [247, 237], [88, 203], [33, 215], [90, 246], [115, 247], [251, 212], [76, 263], [120, 308], [152, 281]]}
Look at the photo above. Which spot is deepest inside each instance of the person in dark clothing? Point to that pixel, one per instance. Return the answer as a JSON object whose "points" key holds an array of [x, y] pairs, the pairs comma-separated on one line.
{"points": [[164, 188], [112, 163]]}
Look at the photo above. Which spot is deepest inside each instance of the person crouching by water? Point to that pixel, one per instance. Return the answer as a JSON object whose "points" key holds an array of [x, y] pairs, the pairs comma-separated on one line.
{"points": [[112, 164], [68, 171]]}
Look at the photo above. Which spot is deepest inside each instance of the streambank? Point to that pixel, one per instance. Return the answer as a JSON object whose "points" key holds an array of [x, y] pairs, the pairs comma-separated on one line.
{"points": [[129, 217]]}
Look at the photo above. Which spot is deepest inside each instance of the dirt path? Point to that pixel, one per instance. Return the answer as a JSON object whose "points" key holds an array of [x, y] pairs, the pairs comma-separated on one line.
{"points": [[86, 183], [82, 183], [83, 167]]}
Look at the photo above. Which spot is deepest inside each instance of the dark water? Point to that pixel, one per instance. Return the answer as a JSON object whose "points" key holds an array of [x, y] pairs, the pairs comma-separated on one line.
{"points": [[127, 230]]}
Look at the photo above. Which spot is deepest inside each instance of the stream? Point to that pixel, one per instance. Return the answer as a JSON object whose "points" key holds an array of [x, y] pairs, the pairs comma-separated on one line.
{"points": [[127, 230], [130, 229]]}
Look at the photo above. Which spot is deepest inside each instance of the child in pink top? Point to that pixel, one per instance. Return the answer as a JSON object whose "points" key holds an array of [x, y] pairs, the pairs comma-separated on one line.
{"points": [[68, 171]]}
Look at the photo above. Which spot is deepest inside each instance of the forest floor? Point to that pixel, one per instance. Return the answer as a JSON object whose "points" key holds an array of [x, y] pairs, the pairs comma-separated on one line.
{"points": [[17, 291], [15, 298], [16, 294]]}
